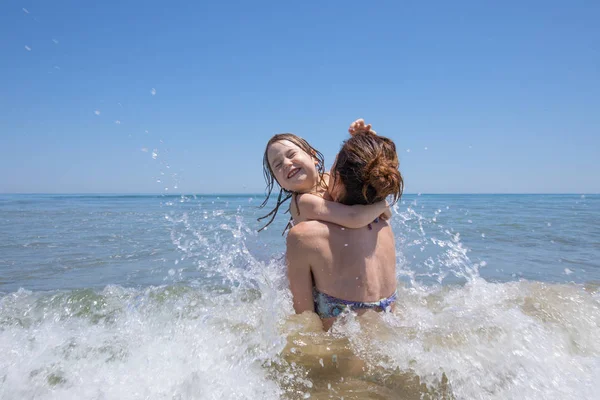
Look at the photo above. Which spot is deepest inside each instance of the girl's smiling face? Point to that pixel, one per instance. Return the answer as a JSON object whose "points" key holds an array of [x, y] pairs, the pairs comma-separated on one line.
{"points": [[294, 169]]}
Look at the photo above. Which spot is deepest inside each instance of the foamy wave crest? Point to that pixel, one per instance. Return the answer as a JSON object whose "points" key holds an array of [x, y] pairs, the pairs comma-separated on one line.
{"points": [[223, 327], [168, 342]]}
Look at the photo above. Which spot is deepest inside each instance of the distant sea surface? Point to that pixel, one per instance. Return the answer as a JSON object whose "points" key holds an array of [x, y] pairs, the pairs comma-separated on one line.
{"points": [[179, 297]]}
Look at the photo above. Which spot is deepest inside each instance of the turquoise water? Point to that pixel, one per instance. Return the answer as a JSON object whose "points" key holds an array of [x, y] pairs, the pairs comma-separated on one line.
{"points": [[178, 297]]}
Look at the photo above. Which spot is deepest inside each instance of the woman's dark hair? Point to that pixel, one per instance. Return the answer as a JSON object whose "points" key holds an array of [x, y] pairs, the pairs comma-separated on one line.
{"points": [[269, 176], [367, 166]]}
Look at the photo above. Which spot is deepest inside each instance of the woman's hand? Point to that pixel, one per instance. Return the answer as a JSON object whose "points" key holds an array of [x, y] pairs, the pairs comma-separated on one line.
{"points": [[359, 126]]}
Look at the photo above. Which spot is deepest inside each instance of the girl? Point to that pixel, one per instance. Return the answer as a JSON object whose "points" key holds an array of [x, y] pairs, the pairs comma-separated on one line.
{"points": [[299, 170]]}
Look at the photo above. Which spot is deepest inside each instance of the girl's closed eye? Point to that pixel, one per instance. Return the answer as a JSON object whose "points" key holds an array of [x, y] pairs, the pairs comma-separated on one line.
{"points": [[291, 161]]}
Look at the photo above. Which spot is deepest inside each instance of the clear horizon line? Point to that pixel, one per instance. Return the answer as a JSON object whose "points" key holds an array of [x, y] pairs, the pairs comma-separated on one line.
{"points": [[262, 194]]}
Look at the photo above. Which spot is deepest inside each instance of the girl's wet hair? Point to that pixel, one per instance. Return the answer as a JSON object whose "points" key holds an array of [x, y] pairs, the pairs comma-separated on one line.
{"points": [[367, 166], [285, 195]]}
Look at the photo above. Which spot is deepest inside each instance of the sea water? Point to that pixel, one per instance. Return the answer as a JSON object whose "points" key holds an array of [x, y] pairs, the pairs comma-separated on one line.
{"points": [[179, 297]]}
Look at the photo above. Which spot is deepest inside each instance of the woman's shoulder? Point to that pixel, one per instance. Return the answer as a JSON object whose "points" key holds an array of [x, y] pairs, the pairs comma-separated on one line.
{"points": [[309, 230]]}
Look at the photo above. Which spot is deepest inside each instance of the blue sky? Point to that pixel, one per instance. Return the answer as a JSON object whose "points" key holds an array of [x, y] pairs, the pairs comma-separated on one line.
{"points": [[480, 97]]}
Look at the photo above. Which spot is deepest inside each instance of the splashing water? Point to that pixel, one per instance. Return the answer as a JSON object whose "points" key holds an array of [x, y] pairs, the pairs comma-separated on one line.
{"points": [[218, 323]]}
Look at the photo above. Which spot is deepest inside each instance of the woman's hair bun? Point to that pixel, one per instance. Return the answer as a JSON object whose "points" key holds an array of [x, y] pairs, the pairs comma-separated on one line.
{"points": [[368, 165], [383, 176]]}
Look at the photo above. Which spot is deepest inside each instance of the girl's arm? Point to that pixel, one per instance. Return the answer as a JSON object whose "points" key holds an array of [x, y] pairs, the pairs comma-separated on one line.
{"points": [[355, 216]]}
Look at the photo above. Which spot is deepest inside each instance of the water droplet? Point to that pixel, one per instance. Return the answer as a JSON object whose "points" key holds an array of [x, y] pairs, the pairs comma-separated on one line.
{"points": [[171, 272], [55, 41], [469, 221], [321, 362], [27, 48], [118, 122], [155, 154], [345, 244], [26, 11], [144, 149], [153, 92], [97, 112], [408, 150], [549, 224], [483, 235], [568, 271]]}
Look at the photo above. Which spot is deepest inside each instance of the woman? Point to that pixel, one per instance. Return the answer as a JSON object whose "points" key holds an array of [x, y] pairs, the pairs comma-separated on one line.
{"points": [[331, 268]]}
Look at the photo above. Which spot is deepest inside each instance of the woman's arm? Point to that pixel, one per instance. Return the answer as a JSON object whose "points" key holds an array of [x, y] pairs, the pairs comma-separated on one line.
{"points": [[355, 216], [298, 271]]}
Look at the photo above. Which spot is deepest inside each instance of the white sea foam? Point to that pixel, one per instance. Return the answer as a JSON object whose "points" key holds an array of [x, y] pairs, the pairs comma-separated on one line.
{"points": [[232, 334]]}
